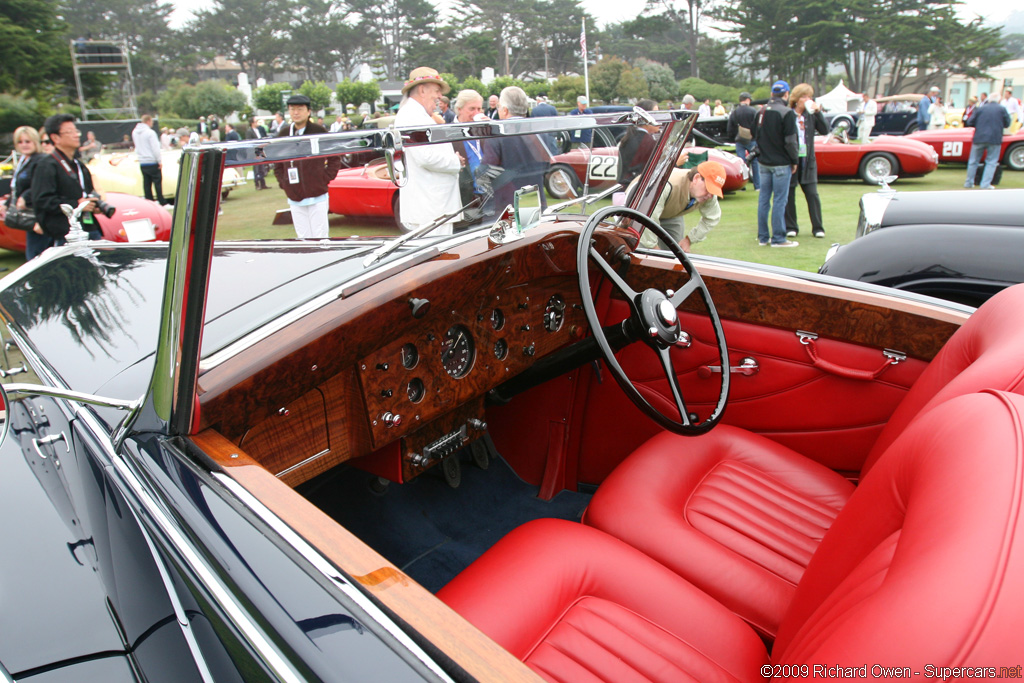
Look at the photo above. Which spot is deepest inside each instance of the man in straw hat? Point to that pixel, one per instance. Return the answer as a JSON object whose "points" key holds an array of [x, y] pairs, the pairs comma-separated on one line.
{"points": [[433, 187]]}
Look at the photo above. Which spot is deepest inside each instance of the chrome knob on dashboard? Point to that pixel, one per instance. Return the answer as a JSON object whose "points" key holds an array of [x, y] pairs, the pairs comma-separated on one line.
{"points": [[391, 419], [477, 424]]}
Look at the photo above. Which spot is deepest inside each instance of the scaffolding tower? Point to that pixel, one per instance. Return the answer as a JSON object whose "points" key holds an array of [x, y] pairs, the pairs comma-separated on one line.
{"points": [[108, 56]]}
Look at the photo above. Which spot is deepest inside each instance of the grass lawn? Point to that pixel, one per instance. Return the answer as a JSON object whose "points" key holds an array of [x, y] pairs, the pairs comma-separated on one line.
{"points": [[735, 237]]}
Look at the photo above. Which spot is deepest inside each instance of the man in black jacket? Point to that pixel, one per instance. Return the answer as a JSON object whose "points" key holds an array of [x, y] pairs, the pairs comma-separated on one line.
{"points": [[60, 178], [740, 130], [305, 182], [776, 136]]}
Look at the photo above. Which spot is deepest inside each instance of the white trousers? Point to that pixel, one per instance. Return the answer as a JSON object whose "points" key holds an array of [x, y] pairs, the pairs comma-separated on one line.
{"points": [[310, 221]]}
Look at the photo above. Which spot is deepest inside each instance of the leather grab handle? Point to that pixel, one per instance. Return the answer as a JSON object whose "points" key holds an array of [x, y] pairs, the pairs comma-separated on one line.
{"points": [[842, 370]]}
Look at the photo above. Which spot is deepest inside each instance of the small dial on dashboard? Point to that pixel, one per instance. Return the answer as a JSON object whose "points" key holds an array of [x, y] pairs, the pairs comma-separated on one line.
{"points": [[497, 319], [500, 349], [410, 356], [415, 390], [554, 313], [457, 351]]}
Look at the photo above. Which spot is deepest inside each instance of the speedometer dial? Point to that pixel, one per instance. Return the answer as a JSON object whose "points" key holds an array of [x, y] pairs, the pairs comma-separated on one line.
{"points": [[457, 351]]}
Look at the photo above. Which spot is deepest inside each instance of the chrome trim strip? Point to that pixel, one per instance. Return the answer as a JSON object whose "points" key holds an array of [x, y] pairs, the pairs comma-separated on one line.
{"points": [[77, 396], [315, 558], [179, 610], [266, 649], [304, 462]]}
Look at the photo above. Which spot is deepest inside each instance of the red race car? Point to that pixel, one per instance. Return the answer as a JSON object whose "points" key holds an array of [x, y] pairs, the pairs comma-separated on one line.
{"points": [[364, 191], [884, 156], [136, 220], [571, 169], [954, 144]]}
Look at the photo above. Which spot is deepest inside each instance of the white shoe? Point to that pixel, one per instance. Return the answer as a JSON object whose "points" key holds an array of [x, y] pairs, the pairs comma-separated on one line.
{"points": [[786, 244]]}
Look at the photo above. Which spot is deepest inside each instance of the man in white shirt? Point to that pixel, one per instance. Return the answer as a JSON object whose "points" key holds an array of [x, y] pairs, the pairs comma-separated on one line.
{"points": [[868, 110], [433, 187], [338, 125], [148, 152], [1013, 107]]}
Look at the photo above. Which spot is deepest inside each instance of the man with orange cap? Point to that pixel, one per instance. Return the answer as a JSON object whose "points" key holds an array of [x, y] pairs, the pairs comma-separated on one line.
{"points": [[688, 190]]}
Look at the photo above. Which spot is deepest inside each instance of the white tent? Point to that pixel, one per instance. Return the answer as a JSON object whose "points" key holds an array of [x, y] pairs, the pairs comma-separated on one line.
{"points": [[840, 98]]}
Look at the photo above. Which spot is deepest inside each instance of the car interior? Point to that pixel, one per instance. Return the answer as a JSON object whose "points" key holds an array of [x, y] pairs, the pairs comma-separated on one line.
{"points": [[552, 447]]}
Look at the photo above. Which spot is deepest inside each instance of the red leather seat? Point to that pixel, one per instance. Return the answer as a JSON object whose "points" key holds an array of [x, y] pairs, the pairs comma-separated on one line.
{"points": [[924, 567], [740, 515]]}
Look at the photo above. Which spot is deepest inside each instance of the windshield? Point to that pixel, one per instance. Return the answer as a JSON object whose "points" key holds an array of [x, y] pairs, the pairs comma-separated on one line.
{"points": [[387, 198]]}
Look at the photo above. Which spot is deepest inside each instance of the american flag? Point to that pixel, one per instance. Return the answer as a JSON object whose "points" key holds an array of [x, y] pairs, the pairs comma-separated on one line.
{"points": [[583, 39]]}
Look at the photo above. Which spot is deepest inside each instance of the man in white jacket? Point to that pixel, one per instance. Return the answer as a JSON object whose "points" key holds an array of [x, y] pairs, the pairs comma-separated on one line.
{"points": [[868, 110], [433, 187], [149, 154]]}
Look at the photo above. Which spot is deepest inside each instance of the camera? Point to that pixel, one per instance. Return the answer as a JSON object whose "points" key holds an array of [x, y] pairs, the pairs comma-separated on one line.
{"points": [[102, 207]]}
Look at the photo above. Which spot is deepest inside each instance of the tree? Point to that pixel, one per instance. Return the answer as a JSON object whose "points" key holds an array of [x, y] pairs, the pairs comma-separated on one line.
{"points": [[243, 30], [661, 81], [192, 101], [391, 26], [318, 93], [688, 19], [613, 78], [321, 42], [268, 97], [142, 24], [33, 47], [357, 92], [567, 88]]}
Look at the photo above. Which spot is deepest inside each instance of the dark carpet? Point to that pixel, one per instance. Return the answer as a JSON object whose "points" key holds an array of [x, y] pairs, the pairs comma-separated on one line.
{"points": [[428, 529]]}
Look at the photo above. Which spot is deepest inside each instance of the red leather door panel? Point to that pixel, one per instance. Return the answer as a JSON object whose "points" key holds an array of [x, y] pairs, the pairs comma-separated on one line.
{"points": [[828, 418]]}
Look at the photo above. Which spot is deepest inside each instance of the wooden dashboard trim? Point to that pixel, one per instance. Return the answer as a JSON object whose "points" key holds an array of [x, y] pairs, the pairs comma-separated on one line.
{"points": [[466, 645], [764, 298]]}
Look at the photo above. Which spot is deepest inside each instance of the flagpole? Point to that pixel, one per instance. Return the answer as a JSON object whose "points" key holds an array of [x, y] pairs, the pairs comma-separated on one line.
{"points": [[583, 47]]}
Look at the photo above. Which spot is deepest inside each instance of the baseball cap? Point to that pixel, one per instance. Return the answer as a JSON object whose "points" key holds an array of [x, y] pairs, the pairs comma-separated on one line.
{"points": [[582, 99], [745, 96], [780, 86], [298, 99], [714, 176]]}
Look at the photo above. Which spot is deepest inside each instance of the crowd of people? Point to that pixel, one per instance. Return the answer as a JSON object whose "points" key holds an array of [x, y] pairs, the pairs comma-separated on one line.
{"points": [[473, 180]]}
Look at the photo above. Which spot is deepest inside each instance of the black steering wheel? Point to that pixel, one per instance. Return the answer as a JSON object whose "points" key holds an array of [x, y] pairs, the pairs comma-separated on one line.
{"points": [[653, 319]]}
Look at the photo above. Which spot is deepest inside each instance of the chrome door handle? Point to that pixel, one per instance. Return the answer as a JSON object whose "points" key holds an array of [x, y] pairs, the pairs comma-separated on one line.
{"points": [[10, 372], [52, 438], [748, 366]]}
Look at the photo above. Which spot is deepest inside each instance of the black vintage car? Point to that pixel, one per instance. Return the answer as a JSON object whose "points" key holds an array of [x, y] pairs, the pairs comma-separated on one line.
{"points": [[937, 243], [897, 115], [366, 459]]}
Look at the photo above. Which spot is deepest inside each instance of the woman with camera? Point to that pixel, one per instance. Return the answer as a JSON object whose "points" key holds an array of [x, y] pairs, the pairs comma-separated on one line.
{"points": [[60, 178], [19, 203]]}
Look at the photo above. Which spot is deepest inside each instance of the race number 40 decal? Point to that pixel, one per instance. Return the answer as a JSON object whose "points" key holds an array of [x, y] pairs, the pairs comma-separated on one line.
{"points": [[952, 149], [603, 168]]}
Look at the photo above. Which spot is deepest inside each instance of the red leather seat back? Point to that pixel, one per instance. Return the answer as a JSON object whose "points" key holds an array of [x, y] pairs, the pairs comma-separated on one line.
{"points": [[925, 564], [987, 352]]}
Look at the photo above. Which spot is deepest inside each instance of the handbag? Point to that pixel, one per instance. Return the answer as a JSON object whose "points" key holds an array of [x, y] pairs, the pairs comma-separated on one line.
{"points": [[20, 219]]}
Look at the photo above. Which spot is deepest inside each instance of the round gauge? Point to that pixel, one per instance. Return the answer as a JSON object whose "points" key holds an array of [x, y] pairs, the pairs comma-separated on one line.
{"points": [[415, 390], [410, 356], [500, 349], [554, 313], [457, 351], [497, 319]]}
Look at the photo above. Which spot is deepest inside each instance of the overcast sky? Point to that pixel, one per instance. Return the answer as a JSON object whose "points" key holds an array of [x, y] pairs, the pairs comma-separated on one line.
{"points": [[612, 11]]}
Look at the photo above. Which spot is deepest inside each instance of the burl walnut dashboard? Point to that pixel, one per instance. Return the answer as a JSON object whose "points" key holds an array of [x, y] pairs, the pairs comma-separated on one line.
{"points": [[396, 375], [460, 356]]}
